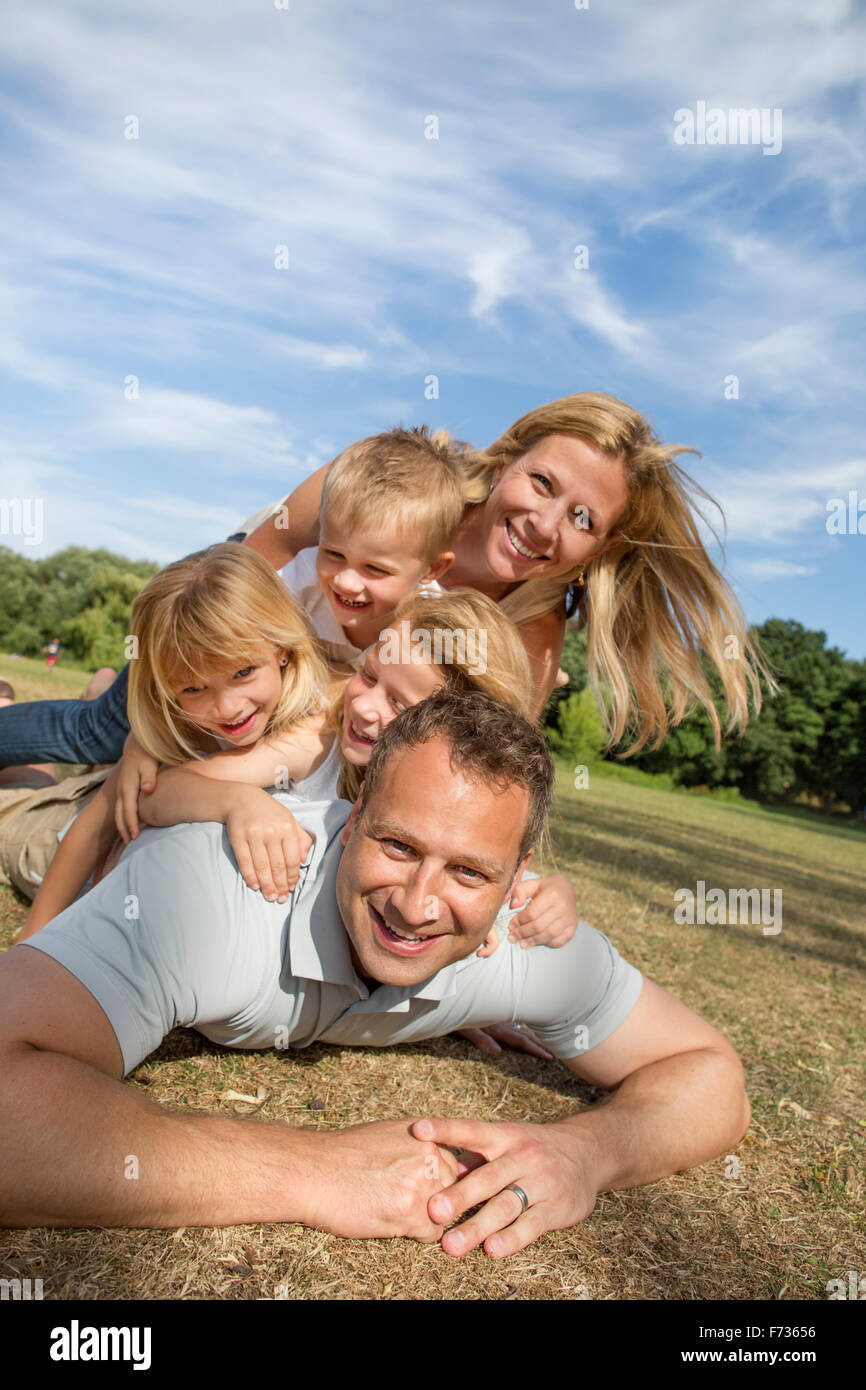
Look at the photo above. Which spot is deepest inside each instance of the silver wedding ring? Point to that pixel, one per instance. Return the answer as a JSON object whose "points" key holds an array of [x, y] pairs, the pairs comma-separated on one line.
{"points": [[521, 1194]]}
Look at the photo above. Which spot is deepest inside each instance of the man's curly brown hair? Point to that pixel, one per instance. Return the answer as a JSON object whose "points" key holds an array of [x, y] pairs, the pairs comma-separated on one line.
{"points": [[488, 741]]}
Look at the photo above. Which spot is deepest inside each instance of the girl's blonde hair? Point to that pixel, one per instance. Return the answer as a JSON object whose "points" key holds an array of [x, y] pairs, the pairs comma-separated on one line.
{"points": [[655, 601], [220, 608], [503, 674]]}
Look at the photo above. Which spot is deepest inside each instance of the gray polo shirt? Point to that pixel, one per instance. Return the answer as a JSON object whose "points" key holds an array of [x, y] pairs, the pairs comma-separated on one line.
{"points": [[173, 936]]}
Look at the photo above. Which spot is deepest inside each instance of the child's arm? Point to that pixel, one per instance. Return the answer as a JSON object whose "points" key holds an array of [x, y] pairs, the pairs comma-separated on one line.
{"points": [[137, 772], [270, 762], [549, 916], [267, 841], [82, 849]]}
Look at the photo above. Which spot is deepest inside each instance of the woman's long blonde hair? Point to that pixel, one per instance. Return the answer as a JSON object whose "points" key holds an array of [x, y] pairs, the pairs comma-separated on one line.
{"points": [[653, 603], [458, 612], [221, 608]]}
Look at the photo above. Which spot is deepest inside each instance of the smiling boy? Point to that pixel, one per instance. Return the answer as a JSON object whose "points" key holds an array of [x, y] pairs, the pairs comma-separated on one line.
{"points": [[390, 506]]}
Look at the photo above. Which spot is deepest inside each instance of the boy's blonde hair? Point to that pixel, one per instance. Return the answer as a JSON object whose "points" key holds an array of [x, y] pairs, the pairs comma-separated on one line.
{"points": [[408, 479], [655, 601], [507, 676], [221, 608]]}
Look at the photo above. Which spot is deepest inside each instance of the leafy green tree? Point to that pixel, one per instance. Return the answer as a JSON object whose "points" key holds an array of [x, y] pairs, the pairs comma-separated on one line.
{"points": [[809, 739], [580, 733], [82, 596]]}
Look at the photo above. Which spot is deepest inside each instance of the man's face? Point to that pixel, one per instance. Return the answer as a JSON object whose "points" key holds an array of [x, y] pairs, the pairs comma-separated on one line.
{"points": [[427, 866]]}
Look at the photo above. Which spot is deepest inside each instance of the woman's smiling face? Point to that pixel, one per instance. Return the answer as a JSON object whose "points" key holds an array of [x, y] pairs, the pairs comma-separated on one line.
{"points": [[553, 509], [377, 694]]}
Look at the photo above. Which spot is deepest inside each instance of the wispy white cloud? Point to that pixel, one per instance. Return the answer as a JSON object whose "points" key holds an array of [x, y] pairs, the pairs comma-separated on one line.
{"points": [[408, 256], [776, 569]]}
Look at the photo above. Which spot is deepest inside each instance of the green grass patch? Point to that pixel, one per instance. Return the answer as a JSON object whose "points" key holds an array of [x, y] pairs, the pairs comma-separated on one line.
{"points": [[780, 1223]]}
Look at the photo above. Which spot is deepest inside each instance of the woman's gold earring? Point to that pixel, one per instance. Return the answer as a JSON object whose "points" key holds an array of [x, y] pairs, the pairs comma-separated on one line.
{"points": [[580, 577], [284, 661]]}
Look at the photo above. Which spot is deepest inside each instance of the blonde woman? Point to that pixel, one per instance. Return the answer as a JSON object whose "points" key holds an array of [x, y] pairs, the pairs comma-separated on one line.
{"points": [[580, 502]]}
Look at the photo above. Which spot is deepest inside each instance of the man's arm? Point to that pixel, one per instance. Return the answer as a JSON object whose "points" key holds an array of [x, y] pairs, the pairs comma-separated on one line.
{"points": [[680, 1099], [279, 543], [78, 1147]]}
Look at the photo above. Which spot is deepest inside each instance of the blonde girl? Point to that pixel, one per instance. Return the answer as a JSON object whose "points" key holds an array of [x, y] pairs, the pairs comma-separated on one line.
{"points": [[226, 688], [462, 640]]}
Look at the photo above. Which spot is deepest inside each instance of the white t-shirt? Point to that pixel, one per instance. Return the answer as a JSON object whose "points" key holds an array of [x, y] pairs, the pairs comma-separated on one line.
{"points": [[299, 576], [321, 785]]}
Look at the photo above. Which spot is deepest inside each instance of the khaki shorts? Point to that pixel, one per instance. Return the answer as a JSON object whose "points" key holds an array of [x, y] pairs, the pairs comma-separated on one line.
{"points": [[30, 821]]}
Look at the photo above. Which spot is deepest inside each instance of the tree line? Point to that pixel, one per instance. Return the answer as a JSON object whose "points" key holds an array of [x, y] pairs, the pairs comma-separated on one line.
{"points": [[81, 596], [808, 742]]}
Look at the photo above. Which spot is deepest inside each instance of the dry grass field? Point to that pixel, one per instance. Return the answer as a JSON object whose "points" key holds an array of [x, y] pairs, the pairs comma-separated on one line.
{"points": [[778, 1223]]}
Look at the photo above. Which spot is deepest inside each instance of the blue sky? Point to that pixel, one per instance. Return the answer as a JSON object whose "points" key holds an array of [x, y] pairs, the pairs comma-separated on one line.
{"points": [[305, 127]]}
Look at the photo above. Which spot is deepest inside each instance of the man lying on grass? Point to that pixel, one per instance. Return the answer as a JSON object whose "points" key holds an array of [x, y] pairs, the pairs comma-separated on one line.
{"points": [[378, 946]]}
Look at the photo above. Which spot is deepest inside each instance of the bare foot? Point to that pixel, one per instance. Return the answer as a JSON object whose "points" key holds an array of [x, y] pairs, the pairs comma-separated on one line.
{"points": [[33, 775], [98, 683]]}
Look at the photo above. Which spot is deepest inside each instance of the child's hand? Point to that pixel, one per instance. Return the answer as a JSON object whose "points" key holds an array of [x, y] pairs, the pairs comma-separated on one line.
{"points": [[268, 843], [550, 915], [137, 773]]}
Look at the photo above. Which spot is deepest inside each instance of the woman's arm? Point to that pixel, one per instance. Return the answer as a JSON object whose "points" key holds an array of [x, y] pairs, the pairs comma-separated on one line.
{"points": [[82, 849], [543, 639], [295, 526]]}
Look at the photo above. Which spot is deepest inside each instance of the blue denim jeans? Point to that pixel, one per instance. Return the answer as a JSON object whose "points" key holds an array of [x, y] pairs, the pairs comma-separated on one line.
{"points": [[66, 731]]}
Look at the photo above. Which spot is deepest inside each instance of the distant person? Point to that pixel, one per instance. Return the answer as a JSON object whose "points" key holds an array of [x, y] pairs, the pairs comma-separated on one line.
{"points": [[52, 651]]}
